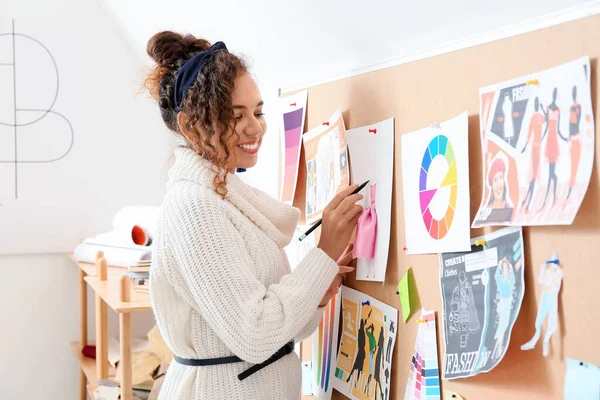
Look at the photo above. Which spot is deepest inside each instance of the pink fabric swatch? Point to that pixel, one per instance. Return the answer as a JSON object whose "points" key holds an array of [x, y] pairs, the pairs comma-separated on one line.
{"points": [[366, 231]]}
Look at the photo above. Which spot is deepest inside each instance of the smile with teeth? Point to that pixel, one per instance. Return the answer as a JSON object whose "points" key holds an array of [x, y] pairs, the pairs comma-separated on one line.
{"points": [[250, 148]]}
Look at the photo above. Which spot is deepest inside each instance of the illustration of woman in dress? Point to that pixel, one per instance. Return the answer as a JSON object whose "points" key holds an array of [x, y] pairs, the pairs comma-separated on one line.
{"points": [[372, 347], [550, 279], [463, 318], [360, 353], [507, 107], [379, 363], [552, 152], [574, 139], [534, 137], [505, 284], [497, 181]]}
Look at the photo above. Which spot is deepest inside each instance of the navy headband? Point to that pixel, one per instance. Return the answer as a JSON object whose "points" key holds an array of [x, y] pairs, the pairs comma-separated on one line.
{"points": [[189, 72]]}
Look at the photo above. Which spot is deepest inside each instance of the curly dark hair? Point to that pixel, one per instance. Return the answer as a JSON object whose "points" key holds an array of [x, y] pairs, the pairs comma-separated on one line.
{"points": [[208, 104]]}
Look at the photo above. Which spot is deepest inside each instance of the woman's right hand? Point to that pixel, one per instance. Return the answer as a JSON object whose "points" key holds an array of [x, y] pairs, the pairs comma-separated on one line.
{"points": [[339, 220]]}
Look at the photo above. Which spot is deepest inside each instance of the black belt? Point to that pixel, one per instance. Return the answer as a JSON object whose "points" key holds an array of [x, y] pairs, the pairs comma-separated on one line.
{"points": [[284, 351]]}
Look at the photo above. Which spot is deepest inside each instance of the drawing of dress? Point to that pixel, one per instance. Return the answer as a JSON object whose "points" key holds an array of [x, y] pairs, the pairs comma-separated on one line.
{"points": [[507, 106], [574, 141], [550, 278], [379, 363], [360, 353], [463, 318], [366, 232], [505, 288], [505, 284], [552, 150], [372, 348], [535, 137]]}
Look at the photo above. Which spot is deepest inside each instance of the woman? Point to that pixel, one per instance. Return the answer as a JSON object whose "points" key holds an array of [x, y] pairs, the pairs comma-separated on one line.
{"points": [[534, 137], [552, 149], [222, 292], [574, 139], [497, 182], [507, 113], [550, 278], [505, 284]]}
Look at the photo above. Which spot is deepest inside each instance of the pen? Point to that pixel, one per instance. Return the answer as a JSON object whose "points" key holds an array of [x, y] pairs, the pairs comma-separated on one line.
{"points": [[318, 223]]}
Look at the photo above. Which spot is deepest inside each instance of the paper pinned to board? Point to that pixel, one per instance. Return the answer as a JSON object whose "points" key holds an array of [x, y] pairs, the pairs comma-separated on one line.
{"points": [[424, 373], [538, 147], [371, 153], [582, 380], [405, 290], [324, 349], [364, 364], [435, 181], [327, 169], [293, 111], [550, 279], [480, 306]]}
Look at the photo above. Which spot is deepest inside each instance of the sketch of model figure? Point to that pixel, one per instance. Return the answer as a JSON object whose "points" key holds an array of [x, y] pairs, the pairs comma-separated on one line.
{"points": [[507, 107], [505, 284], [463, 318], [550, 278]]}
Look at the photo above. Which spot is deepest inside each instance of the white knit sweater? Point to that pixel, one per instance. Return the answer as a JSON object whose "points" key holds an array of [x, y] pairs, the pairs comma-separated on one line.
{"points": [[221, 285]]}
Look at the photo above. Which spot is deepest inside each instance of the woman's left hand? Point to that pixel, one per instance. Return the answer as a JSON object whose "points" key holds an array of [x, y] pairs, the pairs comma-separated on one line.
{"points": [[344, 264]]}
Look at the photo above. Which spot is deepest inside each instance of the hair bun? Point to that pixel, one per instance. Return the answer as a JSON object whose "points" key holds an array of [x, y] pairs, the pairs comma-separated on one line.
{"points": [[167, 47]]}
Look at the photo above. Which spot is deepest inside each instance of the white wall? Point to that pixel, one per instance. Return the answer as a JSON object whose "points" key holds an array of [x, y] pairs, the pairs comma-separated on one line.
{"points": [[39, 293]]}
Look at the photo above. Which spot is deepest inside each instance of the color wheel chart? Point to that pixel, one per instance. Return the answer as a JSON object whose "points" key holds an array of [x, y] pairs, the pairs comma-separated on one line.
{"points": [[438, 186], [424, 376], [325, 346]]}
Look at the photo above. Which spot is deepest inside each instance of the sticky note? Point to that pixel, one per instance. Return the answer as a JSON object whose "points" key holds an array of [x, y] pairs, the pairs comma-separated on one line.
{"points": [[450, 395], [404, 288], [582, 380]]}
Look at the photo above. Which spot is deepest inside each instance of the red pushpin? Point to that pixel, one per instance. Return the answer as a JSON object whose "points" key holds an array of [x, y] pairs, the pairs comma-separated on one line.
{"points": [[326, 123], [404, 248], [373, 131], [292, 104]]}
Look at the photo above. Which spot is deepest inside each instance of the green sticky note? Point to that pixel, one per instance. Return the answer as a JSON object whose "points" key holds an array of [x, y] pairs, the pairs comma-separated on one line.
{"points": [[404, 292]]}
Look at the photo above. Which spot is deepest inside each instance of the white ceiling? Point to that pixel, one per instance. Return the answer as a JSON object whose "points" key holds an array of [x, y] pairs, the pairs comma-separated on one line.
{"points": [[295, 42]]}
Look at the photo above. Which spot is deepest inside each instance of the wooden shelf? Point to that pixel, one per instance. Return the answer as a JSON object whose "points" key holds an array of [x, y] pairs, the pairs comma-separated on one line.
{"points": [[91, 388], [109, 292], [88, 365], [90, 269]]}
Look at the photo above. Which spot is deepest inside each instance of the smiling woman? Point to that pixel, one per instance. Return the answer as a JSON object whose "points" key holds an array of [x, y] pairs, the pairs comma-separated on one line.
{"points": [[198, 102], [224, 297]]}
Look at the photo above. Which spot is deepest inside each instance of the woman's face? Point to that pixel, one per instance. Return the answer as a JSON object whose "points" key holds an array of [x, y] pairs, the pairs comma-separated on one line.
{"points": [[250, 122], [498, 185]]}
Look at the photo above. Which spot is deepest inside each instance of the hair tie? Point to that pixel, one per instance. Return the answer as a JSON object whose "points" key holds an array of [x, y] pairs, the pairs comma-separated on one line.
{"points": [[189, 72]]}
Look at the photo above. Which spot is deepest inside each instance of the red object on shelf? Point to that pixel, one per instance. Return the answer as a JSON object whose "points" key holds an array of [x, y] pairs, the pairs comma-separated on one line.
{"points": [[89, 351]]}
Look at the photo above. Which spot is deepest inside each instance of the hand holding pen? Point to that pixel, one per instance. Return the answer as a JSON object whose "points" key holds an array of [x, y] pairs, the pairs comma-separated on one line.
{"points": [[339, 220]]}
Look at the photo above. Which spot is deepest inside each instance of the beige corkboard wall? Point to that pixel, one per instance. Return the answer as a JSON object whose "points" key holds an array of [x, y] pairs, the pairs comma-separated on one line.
{"points": [[433, 90]]}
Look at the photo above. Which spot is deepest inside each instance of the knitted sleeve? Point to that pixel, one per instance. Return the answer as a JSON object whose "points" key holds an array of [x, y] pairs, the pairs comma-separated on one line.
{"points": [[214, 269], [312, 325]]}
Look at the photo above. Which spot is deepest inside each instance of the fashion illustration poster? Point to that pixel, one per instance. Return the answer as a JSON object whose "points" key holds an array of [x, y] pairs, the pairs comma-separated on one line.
{"points": [[482, 292], [537, 134]]}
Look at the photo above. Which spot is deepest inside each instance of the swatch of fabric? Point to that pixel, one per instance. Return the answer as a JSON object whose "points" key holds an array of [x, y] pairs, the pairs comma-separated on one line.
{"points": [[366, 231]]}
